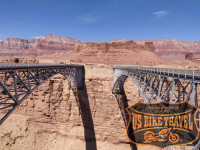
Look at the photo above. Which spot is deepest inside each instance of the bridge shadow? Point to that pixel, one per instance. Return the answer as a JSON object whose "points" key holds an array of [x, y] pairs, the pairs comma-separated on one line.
{"points": [[85, 111], [123, 104]]}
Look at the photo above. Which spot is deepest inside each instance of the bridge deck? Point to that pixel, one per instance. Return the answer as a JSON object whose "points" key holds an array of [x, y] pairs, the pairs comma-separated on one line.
{"points": [[18, 66], [168, 72]]}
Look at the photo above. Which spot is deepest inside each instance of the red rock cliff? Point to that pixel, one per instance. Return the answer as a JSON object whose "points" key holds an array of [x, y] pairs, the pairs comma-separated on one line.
{"points": [[56, 43], [114, 47], [115, 52], [51, 42], [175, 47], [14, 43]]}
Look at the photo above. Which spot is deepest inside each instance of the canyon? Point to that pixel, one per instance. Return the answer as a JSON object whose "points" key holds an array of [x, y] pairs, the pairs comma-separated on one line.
{"points": [[50, 117]]}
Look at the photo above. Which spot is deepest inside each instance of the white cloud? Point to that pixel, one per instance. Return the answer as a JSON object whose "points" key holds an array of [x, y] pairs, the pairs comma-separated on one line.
{"points": [[38, 37], [160, 14], [87, 18]]}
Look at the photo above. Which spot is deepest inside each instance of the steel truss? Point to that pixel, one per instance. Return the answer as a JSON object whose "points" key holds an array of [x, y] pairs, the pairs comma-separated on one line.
{"points": [[18, 81], [156, 84]]}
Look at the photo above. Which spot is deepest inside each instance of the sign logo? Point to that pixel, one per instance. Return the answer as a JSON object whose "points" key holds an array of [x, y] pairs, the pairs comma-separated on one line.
{"points": [[162, 124]]}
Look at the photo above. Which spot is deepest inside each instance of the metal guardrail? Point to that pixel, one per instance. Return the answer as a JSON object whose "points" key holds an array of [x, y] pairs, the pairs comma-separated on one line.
{"points": [[11, 66], [179, 73]]}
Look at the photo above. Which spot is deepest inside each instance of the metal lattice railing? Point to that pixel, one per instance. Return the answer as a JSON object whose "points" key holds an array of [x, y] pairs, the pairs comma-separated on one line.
{"points": [[10, 66], [179, 73]]}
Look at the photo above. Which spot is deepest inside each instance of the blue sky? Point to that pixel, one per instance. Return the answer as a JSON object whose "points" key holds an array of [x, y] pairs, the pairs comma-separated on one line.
{"points": [[101, 20]]}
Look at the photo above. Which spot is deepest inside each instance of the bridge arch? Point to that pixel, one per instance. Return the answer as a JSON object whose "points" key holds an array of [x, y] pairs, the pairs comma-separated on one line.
{"points": [[72, 81], [155, 84], [18, 81]]}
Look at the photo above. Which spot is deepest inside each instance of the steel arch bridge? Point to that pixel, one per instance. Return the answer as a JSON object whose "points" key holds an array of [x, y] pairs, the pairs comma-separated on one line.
{"points": [[156, 84], [18, 81]]}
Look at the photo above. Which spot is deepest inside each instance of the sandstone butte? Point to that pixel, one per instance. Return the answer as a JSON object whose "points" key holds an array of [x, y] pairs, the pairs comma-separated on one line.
{"points": [[49, 119]]}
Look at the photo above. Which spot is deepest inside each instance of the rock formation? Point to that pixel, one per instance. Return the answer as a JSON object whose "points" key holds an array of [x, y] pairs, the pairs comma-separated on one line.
{"points": [[170, 49], [115, 52], [49, 42], [114, 47], [112, 51], [165, 47], [68, 49], [174, 49], [53, 42], [191, 57], [15, 44], [19, 60]]}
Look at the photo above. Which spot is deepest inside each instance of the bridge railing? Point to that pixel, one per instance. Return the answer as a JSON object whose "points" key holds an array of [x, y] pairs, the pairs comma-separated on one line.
{"points": [[192, 74]]}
